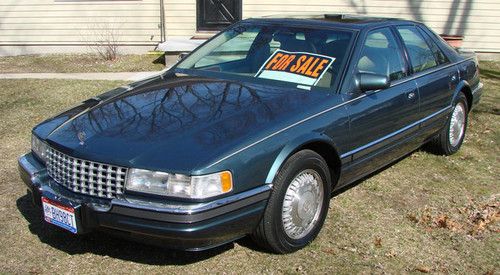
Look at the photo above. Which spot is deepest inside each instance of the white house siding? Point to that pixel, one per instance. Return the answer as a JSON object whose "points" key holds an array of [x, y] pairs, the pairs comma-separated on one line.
{"points": [[180, 18], [477, 20], [44, 23], [28, 24]]}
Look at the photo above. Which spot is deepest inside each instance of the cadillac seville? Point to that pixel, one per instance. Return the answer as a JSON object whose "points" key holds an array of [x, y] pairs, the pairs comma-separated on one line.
{"points": [[252, 132]]}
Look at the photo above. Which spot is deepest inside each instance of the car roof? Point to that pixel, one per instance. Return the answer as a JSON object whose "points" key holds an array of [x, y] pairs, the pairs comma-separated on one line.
{"points": [[335, 20]]}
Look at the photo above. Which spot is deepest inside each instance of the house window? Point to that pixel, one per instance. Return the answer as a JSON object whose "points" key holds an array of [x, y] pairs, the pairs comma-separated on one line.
{"points": [[213, 15]]}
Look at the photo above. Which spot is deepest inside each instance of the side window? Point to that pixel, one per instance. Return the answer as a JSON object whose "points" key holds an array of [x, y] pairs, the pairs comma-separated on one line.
{"points": [[421, 55], [381, 55], [438, 54]]}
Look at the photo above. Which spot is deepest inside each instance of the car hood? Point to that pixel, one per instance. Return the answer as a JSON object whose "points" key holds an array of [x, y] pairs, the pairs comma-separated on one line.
{"points": [[176, 124]]}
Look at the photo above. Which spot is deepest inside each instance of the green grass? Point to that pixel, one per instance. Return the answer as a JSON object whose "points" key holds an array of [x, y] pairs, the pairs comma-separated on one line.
{"points": [[83, 63], [424, 213]]}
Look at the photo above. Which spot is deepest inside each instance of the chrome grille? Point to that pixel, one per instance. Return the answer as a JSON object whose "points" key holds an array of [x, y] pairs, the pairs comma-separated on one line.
{"points": [[86, 177]]}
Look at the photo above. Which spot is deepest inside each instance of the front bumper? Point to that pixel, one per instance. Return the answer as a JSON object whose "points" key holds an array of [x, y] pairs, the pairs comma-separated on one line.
{"points": [[194, 226]]}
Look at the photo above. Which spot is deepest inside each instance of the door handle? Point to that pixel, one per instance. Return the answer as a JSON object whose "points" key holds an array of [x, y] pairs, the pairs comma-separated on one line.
{"points": [[411, 95]]}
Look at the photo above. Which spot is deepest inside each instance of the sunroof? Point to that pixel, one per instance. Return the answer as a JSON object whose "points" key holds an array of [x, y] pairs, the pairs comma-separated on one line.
{"points": [[341, 18], [354, 18]]}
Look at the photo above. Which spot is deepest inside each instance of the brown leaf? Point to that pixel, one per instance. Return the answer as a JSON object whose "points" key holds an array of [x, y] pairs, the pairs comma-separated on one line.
{"points": [[423, 269], [425, 218], [378, 242], [390, 254], [442, 221], [412, 218], [328, 251]]}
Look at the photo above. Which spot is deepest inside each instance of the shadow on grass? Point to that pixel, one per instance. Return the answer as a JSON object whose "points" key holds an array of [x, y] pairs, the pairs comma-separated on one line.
{"points": [[491, 111], [101, 243], [492, 74], [424, 148], [490, 97], [104, 244], [160, 60]]}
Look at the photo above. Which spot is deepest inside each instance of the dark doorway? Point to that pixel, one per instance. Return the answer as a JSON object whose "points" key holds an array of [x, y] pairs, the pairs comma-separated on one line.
{"points": [[213, 15]]}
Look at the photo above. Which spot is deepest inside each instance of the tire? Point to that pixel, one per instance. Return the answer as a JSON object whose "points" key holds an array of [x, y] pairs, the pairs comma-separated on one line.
{"points": [[451, 137], [301, 193]]}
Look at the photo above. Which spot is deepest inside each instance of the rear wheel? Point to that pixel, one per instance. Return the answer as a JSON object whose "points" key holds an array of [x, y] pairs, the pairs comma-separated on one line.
{"points": [[297, 206], [451, 137]]}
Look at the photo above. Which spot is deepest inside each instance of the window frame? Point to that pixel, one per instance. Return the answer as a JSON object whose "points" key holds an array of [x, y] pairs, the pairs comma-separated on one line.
{"points": [[450, 52]]}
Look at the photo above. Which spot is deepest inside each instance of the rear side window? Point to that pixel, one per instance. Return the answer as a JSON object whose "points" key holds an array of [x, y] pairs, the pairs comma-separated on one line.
{"points": [[381, 55], [421, 55], [438, 54]]}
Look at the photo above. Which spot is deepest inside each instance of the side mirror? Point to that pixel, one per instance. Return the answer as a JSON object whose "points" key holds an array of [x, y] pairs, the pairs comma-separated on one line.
{"points": [[182, 56], [369, 82]]}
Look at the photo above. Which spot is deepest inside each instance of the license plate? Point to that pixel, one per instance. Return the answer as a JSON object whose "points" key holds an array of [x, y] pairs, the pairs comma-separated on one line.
{"points": [[60, 215]]}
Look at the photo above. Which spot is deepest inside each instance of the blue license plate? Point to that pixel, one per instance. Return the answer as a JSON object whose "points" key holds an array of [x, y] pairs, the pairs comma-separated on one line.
{"points": [[60, 215]]}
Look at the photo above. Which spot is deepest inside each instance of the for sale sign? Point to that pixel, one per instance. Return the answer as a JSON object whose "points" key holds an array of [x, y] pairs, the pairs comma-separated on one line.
{"points": [[298, 67]]}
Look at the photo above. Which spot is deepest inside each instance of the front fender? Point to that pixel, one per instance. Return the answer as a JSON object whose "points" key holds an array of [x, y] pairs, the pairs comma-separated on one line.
{"points": [[293, 146]]}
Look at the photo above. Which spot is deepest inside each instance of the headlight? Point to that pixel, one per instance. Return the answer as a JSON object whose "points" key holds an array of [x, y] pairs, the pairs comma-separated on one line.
{"points": [[40, 148], [177, 185]]}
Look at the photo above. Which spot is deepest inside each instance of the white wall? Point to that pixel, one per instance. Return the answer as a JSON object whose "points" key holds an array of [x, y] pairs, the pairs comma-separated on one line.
{"points": [[38, 25], [66, 25], [477, 20]]}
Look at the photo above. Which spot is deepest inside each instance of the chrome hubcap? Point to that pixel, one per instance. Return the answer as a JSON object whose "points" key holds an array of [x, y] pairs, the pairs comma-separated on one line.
{"points": [[302, 204], [457, 124]]}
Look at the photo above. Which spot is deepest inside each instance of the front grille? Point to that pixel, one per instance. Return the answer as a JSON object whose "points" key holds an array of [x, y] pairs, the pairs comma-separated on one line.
{"points": [[86, 177]]}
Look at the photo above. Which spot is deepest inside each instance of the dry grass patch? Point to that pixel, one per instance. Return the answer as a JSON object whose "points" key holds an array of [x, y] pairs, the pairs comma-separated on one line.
{"points": [[79, 63]]}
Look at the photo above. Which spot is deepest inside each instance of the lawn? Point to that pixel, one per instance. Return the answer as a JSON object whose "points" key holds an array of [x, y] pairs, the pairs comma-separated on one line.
{"points": [[80, 63], [425, 213]]}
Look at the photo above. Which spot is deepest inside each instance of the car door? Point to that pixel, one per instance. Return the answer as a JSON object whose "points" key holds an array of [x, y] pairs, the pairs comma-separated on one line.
{"points": [[435, 78], [381, 119]]}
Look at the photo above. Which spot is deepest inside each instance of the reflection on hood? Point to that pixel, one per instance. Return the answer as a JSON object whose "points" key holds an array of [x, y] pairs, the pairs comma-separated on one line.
{"points": [[180, 120]]}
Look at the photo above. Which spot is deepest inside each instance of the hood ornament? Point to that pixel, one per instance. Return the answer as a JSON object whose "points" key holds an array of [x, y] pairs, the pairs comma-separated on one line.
{"points": [[81, 137]]}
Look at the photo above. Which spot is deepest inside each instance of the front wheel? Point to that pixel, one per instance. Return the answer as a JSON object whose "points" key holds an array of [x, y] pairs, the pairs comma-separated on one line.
{"points": [[298, 205], [451, 137]]}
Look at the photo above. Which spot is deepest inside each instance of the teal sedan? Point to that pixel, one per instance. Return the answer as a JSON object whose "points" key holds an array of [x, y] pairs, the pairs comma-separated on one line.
{"points": [[252, 133]]}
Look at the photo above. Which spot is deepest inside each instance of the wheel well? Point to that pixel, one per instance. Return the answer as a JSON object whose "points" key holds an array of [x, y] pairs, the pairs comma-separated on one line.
{"points": [[327, 152], [468, 94]]}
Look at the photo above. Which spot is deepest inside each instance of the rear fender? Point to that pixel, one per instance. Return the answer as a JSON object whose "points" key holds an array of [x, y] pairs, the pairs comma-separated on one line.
{"points": [[464, 86]]}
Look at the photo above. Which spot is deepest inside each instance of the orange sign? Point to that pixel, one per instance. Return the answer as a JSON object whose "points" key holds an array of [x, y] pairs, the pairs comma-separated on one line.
{"points": [[298, 67]]}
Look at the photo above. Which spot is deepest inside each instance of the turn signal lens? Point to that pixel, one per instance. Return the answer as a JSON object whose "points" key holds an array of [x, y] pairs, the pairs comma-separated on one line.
{"points": [[226, 181]]}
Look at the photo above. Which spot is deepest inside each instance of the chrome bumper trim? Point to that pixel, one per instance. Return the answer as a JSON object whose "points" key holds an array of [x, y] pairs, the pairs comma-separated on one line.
{"points": [[38, 176], [251, 196], [33, 167], [478, 88]]}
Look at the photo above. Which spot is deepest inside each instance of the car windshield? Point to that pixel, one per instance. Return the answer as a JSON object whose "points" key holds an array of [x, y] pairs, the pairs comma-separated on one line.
{"points": [[304, 57]]}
